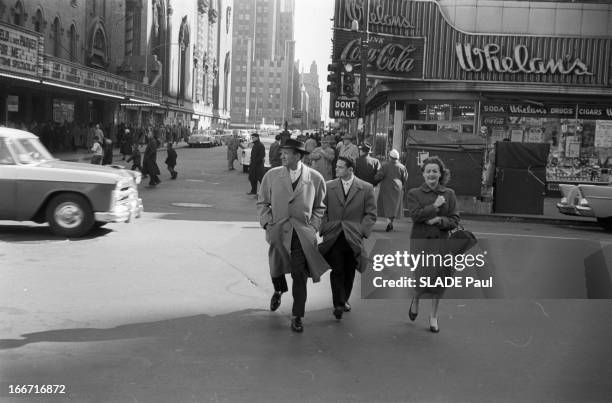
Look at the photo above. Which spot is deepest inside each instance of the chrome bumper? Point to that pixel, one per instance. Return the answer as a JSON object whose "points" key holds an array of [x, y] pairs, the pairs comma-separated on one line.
{"points": [[122, 213]]}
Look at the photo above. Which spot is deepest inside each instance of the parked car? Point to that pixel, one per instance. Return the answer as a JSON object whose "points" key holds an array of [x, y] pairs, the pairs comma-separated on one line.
{"points": [[587, 201], [202, 138], [72, 197]]}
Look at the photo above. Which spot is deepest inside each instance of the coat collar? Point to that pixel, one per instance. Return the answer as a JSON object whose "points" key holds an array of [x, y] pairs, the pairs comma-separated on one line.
{"points": [[438, 189], [285, 179], [336, 184]]}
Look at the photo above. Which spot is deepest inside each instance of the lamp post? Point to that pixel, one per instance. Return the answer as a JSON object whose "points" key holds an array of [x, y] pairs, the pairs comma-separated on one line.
{"points": [[364, 66]]}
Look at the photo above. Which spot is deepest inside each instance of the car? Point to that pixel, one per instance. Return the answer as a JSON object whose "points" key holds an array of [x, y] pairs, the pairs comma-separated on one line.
{"points": [[245, 155], [587, 201], [72, 197], [202, 138]]}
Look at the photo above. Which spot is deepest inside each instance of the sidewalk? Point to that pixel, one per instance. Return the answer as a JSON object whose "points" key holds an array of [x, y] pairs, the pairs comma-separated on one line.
{"points": [[550, 213]]}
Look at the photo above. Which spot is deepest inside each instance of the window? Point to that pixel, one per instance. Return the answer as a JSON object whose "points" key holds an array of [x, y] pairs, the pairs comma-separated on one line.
{"points": [[55, 35], [38, 21], [73, 44], [18, 17]]}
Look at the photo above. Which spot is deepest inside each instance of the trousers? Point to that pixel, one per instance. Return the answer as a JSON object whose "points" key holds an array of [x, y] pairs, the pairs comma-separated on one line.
{"points": [[299, 275]]}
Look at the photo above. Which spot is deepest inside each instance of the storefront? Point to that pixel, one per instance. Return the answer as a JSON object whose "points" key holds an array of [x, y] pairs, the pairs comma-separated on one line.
{"points": [[434, 89], [37, 88]]}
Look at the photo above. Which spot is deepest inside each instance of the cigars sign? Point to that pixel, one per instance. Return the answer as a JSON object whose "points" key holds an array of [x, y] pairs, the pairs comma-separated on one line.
{"points": [[387, 56]]}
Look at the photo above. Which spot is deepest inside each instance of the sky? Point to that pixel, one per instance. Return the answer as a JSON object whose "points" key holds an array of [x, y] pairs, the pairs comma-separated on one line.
{"points": [[313, 34]]}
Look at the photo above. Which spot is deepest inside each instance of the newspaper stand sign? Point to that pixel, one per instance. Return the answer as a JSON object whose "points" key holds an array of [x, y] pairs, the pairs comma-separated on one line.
{"points": [[345, 108]]}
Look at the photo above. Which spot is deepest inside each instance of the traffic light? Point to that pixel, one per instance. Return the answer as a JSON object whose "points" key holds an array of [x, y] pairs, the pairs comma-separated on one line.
{"points": [[334, 78], [348, 80]]}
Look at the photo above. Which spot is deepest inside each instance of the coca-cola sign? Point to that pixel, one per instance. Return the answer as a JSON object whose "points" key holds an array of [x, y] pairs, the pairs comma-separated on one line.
{"points": [[490, 58], [387, 56]]}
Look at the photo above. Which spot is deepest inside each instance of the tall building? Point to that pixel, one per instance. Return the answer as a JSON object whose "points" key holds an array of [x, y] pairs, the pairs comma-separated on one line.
{"points": [[310, 82], [263, 51]]}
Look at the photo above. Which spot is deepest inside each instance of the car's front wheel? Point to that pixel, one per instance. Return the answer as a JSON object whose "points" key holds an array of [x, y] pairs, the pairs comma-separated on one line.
{"points": [[70, 215], [605, 222]]}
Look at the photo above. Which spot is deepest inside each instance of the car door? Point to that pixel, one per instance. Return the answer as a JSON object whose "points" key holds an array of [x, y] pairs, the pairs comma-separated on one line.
{"points": [[8, 183]]}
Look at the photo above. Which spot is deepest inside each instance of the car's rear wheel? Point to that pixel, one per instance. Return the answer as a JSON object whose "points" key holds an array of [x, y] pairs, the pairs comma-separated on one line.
{"points": [[70, 215], [605, 222]]}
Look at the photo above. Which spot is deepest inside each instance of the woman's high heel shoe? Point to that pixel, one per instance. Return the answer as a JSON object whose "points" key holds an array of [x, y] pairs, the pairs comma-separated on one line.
{"points": [[411, 314], [433, 324]]}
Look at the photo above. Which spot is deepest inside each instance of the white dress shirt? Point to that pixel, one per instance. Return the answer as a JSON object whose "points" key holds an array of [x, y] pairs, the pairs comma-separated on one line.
{"points": [[347, 184], [295, 173]]}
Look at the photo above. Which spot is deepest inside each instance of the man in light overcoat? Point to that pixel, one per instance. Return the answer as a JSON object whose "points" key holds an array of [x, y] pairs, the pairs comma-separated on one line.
{"points": [[350, 216], [290, 207]]}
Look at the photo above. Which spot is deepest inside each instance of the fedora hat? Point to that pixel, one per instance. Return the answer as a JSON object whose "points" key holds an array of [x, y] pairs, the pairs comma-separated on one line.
{"points": [[365, 147], [296, 145], [328, 139], [347, 137]]}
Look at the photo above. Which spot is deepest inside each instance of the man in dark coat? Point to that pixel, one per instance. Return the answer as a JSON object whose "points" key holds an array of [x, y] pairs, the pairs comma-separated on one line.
{"points": [[149, 162], [275, 153], [349, 218], [256, 169], [171, 160], [366, 166], [290, 207]]}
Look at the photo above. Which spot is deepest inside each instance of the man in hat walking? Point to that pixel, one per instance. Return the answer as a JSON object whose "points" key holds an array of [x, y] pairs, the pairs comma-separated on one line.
{"points": [[347, 148], [256, 169], [290, 207], [349, 218], [366, 166]]}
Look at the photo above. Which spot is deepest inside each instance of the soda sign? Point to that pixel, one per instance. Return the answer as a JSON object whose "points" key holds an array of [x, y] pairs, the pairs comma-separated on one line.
{"points": [[345, 108]]}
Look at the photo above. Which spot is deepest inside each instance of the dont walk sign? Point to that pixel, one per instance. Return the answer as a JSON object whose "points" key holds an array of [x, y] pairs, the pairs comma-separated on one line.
{"points": [[345, 108]]}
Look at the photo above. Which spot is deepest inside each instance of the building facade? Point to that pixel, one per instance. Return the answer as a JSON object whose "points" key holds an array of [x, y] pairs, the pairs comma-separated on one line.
{"points": [[263, 50], [60, 63], [310, 82], [142, 63], [453, 78]]}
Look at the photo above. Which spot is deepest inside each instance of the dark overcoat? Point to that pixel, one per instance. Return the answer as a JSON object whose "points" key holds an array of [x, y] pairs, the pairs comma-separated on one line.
{"points": [[431, 239], [149, 159], [258, 156], [355, 216], [366, 168], [282, 209]]}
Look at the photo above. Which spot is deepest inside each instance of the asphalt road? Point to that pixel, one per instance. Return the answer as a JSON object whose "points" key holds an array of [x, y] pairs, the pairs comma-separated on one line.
{"points": [[174, 308]]}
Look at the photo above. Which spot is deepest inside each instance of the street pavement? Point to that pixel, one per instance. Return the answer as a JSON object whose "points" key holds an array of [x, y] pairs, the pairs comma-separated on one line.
{"points": [[174, 308]]}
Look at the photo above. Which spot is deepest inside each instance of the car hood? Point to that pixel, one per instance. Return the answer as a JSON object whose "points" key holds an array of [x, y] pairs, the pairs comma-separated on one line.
{"points": [[84, 171]]}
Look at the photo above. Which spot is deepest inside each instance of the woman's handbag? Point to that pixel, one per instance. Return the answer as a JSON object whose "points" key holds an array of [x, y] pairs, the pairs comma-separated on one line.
{"points": [[461, 240]]}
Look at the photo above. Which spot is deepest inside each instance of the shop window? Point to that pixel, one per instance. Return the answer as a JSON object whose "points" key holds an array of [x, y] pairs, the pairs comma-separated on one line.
{"points": [[18, 14], [39, 22], [73, 43], [463, 112]]}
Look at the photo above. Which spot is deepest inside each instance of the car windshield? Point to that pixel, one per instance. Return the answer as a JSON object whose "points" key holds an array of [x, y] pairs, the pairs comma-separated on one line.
{"points": [[29, 150]]}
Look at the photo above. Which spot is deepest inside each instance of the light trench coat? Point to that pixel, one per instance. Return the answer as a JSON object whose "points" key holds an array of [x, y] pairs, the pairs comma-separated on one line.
{"points": [[284, 210]]}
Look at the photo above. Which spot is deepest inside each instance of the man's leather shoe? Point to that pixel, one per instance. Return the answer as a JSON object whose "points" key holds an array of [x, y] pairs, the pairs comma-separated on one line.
{"points": [[296, 324], [338, 312], [275, 301], [347, 307]]}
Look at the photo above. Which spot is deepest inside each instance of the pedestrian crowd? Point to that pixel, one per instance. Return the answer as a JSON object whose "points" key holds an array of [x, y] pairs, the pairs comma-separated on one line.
{"points": [[317, 189]]}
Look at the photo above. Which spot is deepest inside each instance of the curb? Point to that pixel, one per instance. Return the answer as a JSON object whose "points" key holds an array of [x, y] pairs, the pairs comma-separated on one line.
{"points": [[536, 219]]}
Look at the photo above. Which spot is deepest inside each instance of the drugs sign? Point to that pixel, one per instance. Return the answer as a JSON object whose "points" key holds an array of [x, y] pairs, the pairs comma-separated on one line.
{"points": [[345, 108]]}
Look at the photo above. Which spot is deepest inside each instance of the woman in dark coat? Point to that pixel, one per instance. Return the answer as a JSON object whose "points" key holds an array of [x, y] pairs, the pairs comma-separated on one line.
{"points": [[149, 161], [433, 208]]}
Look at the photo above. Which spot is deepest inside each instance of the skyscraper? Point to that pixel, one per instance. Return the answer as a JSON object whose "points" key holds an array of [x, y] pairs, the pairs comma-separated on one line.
{"points": [[262, 70]]}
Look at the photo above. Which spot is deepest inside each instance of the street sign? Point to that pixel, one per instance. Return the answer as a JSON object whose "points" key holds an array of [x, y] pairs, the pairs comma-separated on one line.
{"points": [[345, 108]]}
